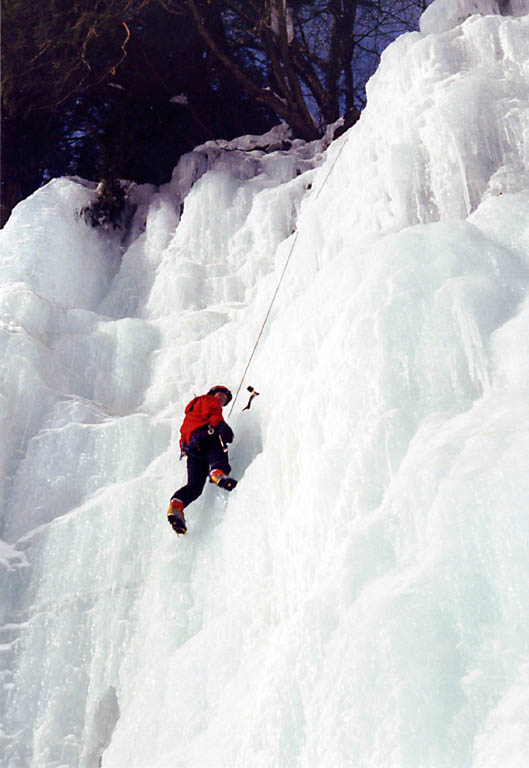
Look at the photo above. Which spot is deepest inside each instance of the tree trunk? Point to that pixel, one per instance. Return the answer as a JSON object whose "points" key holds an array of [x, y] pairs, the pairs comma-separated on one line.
{"points": [[292, 110]]}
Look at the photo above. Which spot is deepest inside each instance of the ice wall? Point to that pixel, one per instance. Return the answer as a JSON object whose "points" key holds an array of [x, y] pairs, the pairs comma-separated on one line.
{"points": [[360, 599]]}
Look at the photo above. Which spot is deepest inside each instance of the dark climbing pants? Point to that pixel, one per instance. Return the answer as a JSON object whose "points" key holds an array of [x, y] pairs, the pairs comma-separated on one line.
{"points": [[203, 455]]}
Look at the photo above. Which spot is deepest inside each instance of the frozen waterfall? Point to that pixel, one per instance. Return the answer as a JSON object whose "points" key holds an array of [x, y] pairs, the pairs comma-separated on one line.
{"points": [[361, 599]]}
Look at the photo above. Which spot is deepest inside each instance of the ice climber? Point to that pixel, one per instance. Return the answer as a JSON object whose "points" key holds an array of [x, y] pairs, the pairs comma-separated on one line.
{"points": [[204, 440]]}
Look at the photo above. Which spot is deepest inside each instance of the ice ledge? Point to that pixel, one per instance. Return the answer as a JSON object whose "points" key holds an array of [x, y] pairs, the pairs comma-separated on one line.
{"points": [[443, 15]]}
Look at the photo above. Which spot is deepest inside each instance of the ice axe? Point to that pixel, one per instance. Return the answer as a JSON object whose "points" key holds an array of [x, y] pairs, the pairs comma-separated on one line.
{"points": [[253, 394]]}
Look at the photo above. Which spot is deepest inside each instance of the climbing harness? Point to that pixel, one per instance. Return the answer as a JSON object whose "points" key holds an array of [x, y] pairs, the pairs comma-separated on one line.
{"points": [[287, 262]]}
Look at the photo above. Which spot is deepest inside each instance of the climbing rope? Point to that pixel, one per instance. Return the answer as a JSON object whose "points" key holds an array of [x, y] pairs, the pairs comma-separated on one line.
{"points": [[261, 330], [266, 319]]}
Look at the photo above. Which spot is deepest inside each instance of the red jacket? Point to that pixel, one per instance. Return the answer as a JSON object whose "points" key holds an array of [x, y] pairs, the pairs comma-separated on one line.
{"points": [[202, 410]]}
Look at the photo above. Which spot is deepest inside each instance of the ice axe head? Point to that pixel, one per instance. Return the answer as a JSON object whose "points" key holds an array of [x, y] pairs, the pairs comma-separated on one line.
{"points": [[253, 394]]}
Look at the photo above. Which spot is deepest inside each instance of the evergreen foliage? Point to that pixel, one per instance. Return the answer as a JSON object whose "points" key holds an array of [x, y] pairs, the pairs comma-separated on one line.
{"points": [[108, 209]]}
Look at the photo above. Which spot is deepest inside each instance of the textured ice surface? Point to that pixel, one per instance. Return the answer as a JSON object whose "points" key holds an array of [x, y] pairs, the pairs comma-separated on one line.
{"points": [[446, 14], [361, 598]]}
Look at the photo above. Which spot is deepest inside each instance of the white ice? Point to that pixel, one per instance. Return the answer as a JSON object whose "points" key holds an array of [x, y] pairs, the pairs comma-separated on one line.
{"points": [[360, 599]]}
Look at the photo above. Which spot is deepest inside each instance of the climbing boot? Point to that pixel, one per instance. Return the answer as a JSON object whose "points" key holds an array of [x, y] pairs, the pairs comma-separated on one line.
{"points": [[218, 477], [175, 516]]}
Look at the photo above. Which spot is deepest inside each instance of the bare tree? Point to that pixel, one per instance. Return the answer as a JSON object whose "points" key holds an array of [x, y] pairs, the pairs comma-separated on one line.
{"points": [[317, 54], [89, 87]]}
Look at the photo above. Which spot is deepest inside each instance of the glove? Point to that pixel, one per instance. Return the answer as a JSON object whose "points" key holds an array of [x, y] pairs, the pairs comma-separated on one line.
{"points": [[224, 431]]}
